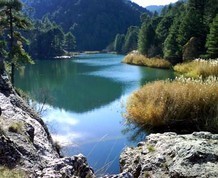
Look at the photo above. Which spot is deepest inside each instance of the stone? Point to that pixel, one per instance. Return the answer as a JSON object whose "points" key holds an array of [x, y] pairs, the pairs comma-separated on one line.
{"points": [[31, 147], [191, 155]]}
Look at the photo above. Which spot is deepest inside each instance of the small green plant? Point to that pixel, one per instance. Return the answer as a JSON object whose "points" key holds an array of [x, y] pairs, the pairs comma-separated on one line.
{"points": [[11, 173], [16, 127], [150, 148]]}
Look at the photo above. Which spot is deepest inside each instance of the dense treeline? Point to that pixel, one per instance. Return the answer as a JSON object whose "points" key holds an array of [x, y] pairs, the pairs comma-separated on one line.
{"points": [[94, 23], [47, 39], [183, 31]]}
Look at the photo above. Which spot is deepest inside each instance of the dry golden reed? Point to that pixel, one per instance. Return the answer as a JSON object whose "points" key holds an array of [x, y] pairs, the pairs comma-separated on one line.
{"points": [[139, 59], [186, 101], [198, 67]]}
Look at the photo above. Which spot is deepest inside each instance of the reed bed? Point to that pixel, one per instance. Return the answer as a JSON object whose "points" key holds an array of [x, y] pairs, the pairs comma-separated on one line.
{"points": [[181, 104], [139, 59], [198, 67]]}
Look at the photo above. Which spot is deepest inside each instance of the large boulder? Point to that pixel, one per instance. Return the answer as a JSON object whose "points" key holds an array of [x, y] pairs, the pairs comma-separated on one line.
{"points": [[26, 144], [171, 155]]}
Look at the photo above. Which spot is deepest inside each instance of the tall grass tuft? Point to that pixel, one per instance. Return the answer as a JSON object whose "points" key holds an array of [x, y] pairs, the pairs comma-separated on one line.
{"points": [[198, 67], [11, 173], [182, 104], [139, 59]]}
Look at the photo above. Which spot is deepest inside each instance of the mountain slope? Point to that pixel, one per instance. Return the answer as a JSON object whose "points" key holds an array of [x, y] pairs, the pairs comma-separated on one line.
{"points": [[93, 22]]}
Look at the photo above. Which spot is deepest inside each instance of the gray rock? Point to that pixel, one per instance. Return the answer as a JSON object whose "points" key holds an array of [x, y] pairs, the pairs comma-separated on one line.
{"points": [[25, 142], [172, 155]]}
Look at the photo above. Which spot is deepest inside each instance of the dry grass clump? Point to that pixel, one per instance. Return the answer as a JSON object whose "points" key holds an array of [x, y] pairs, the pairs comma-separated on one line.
{"points": [[175, 105], [11, 173], [198, 67], [139, 59], [16, 127]]}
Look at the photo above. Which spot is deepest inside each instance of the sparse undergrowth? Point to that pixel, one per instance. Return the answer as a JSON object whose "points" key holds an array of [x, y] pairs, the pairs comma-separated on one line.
{"points": [[182, 104], [139, 59], [11, 173], [198, 67]]}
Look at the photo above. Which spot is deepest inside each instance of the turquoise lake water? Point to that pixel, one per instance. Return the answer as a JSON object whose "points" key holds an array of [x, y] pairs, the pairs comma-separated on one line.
{"points": [[84, 103]]}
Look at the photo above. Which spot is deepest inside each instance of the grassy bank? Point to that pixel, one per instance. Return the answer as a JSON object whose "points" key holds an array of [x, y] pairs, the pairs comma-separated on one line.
{"points": [[182, 104], [139, 59], [198, 67]]}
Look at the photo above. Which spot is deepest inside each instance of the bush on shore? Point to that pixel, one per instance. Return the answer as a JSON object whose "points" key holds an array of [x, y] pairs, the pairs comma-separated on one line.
{"points": [[198, 67], [139, 59], [180, 105]]}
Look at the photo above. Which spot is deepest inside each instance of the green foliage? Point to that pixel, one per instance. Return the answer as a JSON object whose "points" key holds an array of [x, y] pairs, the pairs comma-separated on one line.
{"points": [[212, 39], [131, 39], [70, 42], [126, 43], [118, 42], [171, 34], [146, 38], [48, 40], [94, 23], [171, 49], [13, 21]]}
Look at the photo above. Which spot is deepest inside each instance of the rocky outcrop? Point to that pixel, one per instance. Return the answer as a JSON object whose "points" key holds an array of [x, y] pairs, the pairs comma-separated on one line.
{"points": [[25, 142], [171, 155]]}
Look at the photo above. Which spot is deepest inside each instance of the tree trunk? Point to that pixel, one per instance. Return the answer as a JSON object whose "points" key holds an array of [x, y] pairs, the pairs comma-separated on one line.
{"points": [[11, 46]]}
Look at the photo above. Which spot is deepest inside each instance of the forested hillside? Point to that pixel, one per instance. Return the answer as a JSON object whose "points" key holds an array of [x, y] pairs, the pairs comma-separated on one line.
{"points": [[94, 23], [182, 31]]}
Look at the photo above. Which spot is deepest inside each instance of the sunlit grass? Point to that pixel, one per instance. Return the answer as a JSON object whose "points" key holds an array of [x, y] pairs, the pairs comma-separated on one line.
{"points": [[139, 59], [198, 67], [182, 103], [11, 173]]}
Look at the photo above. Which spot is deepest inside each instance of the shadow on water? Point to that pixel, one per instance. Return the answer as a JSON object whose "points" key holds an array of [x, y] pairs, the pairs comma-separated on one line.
{"points": [[69, 85]]}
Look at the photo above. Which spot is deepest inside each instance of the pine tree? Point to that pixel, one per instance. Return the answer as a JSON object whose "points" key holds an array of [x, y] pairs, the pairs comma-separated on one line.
{"points": [[118, 42], [146, 38], [131, 39], [13, 21], [171, 49], [70, 42], [212, 39]]}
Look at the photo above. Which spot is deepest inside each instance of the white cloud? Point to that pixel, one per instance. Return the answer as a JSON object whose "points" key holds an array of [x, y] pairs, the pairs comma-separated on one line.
{"points": [[145, 3], [61, 116]]}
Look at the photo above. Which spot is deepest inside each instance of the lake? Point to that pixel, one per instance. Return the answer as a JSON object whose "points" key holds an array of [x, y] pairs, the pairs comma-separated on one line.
{"points": [[84, 102]]}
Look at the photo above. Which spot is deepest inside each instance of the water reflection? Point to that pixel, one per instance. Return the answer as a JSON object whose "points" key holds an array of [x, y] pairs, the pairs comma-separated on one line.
{"points": [[152, 74], [134, 132], [70, 85], [86, 106]]}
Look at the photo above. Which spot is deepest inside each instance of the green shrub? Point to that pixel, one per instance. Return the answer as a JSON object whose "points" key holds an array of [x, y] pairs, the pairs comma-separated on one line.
{"points": [[182, 104], [139, 59]]}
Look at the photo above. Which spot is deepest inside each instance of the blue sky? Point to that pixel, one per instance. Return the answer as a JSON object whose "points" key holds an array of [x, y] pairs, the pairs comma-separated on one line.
{"points": [[145, 3]]}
